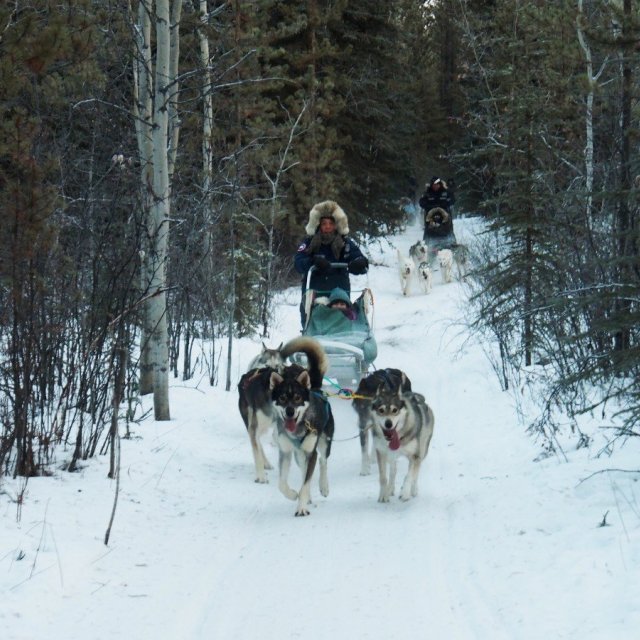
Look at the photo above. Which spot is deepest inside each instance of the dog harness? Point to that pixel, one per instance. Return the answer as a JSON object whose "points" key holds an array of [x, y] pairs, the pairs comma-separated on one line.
{"points": [[325, 402]]}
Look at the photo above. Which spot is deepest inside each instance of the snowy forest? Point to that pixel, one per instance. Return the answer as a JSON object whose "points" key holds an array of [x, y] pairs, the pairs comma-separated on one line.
{"points": [[159, 158]]}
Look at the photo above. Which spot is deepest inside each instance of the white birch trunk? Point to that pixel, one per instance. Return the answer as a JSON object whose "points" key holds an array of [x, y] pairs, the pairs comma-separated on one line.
{"points": [[158, 223], [143, 113], [157, 129], [592, 81], [588, 152], [207, 155], [207, 99], [174, 59]]}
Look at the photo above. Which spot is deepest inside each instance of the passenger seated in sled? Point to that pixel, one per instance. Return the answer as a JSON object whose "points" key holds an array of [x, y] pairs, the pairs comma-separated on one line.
{"points": [[342, 327], [339, 301]]}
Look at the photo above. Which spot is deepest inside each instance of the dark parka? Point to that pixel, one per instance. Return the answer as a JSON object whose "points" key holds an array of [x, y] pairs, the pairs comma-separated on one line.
{"points": [[340, 249], [343, 249], [441, 197], [438, 218]]}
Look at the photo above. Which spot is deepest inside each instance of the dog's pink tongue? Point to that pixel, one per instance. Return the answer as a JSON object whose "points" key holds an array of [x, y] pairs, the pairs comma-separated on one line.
{"points": [[290, 424], [394, 440]]}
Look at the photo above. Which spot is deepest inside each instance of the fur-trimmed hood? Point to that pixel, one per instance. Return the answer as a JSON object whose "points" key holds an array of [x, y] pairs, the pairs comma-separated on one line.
{"points": [[327, 209], [437, 211]]}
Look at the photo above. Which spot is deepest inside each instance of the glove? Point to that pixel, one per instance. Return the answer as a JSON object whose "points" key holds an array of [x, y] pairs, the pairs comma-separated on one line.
{"points": [[320, 262], [358, 266]]}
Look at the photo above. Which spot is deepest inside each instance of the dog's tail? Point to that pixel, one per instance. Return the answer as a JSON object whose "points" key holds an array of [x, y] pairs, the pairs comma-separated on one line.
{"points": [[316, 356]]}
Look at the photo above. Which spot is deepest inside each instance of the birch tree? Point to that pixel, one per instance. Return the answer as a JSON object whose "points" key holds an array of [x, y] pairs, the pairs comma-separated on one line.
{"points": [[157, 127]]}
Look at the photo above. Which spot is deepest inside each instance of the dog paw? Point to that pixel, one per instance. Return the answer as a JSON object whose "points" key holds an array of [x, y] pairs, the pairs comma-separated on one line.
{"points": [[383, 498], [262, 480], [302, 512]]}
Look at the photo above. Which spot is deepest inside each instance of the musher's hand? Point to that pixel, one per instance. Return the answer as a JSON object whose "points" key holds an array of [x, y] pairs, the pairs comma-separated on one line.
{"points": [[358, 266], [320, 262]]}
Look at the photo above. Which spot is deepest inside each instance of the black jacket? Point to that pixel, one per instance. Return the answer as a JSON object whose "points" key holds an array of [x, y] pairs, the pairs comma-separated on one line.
{"points": [[442, 198], [327, 279]]}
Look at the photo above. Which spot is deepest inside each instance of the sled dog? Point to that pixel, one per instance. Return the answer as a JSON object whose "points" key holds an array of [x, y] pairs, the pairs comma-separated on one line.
{"points": [[304, 420], [254, 402], [402, 425], [393, 379], [419, 252], [425, 276], [406, 268], [258, 415], [461, 259], [445, 259], [268, 358]]}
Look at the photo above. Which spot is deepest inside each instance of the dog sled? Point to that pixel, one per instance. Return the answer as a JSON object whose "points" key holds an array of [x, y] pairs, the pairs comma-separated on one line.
{"points": [[349, 344]]}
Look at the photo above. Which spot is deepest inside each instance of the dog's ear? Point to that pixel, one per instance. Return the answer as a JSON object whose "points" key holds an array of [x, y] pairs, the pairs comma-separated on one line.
{"points": [[275, 380], [304, 379], [404, 383]]}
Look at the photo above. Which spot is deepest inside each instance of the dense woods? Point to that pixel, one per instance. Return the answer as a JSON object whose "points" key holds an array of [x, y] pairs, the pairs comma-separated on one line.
{"points": [[158, 160]]}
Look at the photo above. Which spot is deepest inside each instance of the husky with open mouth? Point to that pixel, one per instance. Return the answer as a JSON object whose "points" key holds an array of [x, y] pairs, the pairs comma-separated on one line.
{"points": [[402, 425], [392, 379], [304, 420]]}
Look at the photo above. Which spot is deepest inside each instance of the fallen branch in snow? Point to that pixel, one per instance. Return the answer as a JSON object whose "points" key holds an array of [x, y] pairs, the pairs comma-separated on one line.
{"points": [[595, 473]]}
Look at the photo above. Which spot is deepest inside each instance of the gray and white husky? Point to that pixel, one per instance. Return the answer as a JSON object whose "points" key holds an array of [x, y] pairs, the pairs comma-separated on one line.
{"points": [[364, 396], [419, 252], [402, 426], [268, 358], [425, 277], [461, 259], [304, 420]]}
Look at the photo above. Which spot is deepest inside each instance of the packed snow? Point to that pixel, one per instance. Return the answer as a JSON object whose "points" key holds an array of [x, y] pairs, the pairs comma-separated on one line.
{"points": [[500, 543]]}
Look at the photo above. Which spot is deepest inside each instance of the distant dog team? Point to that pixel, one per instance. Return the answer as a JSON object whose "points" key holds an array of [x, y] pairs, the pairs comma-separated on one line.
{"points": [[421, 260]]}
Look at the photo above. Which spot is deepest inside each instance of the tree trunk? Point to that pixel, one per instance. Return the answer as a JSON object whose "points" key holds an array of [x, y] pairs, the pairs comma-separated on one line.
{"points": [[143, 113], [158, 223], [622, 338], [158, 132]]}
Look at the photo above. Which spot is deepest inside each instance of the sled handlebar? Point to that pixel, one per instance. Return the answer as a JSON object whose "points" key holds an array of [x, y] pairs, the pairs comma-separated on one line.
{"points": [[333, 266]]}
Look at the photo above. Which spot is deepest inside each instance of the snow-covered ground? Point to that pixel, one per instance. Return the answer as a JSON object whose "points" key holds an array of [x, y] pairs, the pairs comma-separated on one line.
{"points": [[496, 546]]}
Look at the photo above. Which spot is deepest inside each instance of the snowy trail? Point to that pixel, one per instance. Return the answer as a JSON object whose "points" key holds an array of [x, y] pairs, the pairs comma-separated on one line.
{"points": [[421, 554], [494, 547]]}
